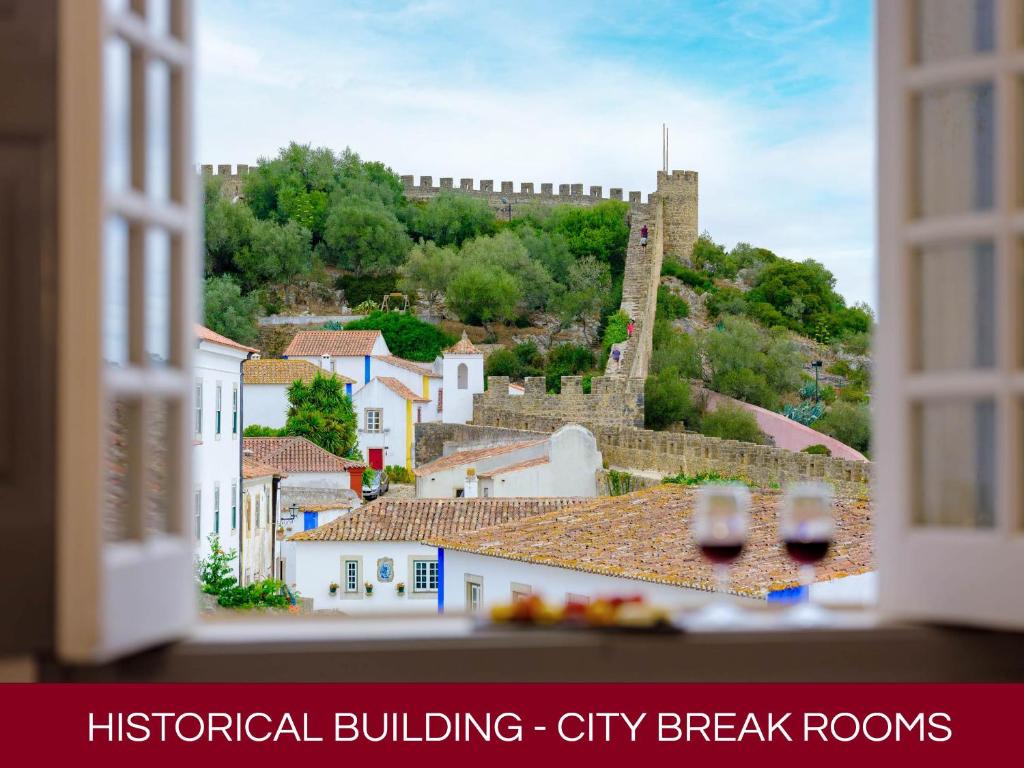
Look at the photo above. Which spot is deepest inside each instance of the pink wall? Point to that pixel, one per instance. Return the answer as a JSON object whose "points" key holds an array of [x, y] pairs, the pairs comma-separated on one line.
{"points": [[787, 433]]}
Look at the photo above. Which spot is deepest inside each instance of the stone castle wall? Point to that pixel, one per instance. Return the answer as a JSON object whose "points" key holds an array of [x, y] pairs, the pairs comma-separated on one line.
{"points": [[677, 192], [611, 401], [434, 438], [569, 194], [231, 183]]}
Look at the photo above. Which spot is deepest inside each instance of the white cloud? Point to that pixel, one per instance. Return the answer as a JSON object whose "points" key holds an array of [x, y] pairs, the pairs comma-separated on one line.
{"points": [[795, 182]]}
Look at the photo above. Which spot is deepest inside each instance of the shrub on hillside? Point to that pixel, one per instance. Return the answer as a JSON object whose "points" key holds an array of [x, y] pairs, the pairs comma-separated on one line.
{"points": [[849, 423], [671, 306], [751, 364], [817, 450], [406, 335], [668, 400], [359, 289], [451, 218], [672, 348], [616, 330], [567, 360], [515, 362], [691, 277], [731, 422]]}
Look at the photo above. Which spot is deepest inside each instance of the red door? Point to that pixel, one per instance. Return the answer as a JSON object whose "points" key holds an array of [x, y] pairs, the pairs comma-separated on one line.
{"points": [[376, 458]]}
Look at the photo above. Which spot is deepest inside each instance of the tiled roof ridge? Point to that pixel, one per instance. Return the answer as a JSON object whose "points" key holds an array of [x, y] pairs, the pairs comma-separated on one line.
{"points": [[463, 346], [335, 343], [519, 465], [409, 365], [205, 334], [280, 447], [473, 454], [401, 390], [253, 372]]}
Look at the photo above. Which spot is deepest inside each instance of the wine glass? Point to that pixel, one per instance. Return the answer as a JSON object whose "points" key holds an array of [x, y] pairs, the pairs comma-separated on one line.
{"points": [[805, 527], [720, 524]]}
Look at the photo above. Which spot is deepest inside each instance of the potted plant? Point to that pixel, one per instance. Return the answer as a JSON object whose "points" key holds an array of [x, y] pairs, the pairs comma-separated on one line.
{"points": [[333, 587], [400, 588], [369, 588]]}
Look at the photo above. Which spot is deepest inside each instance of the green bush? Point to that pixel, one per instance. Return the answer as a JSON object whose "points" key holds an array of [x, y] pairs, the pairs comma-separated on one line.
{"points": [[703, 478], [258, 430], [399, 474], [668, 400], [731, 422], [726, 301], [671, 306], [615, 330], [672, 348], [567, 360], [406, 335], [360, 289], [817, 450], [691, 277], [216, 577], [849, 423]]}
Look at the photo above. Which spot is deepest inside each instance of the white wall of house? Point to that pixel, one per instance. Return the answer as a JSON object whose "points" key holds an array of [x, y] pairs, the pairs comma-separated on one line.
{"points": [[313, 565], [352, 366], [458, 400], [393, 436], [498, 576], [266, 404], [317, 480], [257, 534], [216, 457], [574, 461]]}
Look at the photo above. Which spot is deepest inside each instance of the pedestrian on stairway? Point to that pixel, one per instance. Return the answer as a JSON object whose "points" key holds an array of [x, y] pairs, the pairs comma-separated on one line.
{"points": [[629, 328], [643, 236]]}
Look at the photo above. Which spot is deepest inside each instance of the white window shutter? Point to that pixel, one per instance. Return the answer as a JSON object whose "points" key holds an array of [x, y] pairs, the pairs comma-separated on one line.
{"points": [[128, 284]]}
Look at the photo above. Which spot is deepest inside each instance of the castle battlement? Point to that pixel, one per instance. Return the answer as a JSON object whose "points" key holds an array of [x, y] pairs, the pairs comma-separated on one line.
{"points": [[224, 169], [572, 194], [612, 401]]}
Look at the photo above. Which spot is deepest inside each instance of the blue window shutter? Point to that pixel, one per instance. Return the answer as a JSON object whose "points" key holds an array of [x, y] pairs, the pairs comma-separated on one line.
{"points": [[348, 389], [366, 369], [440, 579], [308, 520]]}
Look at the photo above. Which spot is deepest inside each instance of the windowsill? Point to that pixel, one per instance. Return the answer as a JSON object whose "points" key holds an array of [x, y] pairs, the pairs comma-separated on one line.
{"points": [[454, 649]]}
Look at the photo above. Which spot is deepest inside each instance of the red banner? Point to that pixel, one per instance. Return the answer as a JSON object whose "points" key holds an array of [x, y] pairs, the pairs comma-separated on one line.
{"points": [[496, 725]]}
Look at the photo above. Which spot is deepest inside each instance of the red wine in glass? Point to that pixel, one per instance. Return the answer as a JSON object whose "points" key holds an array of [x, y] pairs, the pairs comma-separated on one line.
{"points": [[721, 554], [807, 552]]}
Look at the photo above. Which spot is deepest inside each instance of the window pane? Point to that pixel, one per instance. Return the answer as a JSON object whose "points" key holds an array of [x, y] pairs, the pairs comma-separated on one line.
{"points": [[158, 138], [949, 29], [955, 150], [159, 442], [956, 473], [115, 516], [158, 297], [956, 306], [116, 115], [115, 292], [158, 14]]}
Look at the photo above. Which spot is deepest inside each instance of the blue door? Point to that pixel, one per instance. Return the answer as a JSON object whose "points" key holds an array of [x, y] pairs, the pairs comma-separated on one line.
{"points": [[308, 520]]}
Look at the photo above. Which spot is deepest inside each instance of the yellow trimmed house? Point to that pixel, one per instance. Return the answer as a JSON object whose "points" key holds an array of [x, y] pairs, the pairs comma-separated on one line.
{"points": [[387, 411]]}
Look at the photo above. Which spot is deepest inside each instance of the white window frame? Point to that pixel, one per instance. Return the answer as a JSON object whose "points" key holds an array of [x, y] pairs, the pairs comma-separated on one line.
{"points": [[216, 507], [414, 565], [218, 410], [197, 397], [471, 581], [379, 413], [346, 592], [197, 513], [116, 597], [234, 505], [970, 575], [234, 410]]}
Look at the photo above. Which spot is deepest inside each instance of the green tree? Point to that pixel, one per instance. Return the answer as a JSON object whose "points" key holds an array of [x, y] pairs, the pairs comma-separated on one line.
{"points": [[750, 364], [429, 269], [548, 249], [322, 413], [567, 360], [506, 252], [668, 400], [481, 295], [670, 305], [731, 422], [452, 218], [675, 349], [588, 284], [227, 311], [849, 423], [406, 335], [276, 253], [227, 230], [600, 231], [364, 236]]}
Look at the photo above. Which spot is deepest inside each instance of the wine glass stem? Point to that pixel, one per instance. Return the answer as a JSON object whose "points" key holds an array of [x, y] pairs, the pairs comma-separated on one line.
{"points": [[807, 579], [721, 580]]}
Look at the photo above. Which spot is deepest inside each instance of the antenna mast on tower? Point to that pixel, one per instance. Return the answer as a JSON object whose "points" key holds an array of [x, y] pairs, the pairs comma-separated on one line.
{"points": [[664, 147]]}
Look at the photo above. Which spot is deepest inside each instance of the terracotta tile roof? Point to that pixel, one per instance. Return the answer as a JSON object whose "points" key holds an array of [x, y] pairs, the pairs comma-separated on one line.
{"points": [[296, 454], [401, 390], [417, 519], [410, 365], [252, 468], [475, 454], [276, 371], [205, 334], [516, 467], [335, 343], [463, 347], [646, 536]]}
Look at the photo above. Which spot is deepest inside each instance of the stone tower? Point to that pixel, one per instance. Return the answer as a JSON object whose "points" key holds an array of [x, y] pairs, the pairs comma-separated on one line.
{"points": [[677, 192]]}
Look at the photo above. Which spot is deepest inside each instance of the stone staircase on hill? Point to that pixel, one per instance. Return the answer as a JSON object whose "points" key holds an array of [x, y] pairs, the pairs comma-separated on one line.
{"points": [[639, 296]]}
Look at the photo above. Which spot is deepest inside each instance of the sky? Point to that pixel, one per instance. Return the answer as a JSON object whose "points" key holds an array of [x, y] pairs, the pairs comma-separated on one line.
{"points": [[770, 101]]}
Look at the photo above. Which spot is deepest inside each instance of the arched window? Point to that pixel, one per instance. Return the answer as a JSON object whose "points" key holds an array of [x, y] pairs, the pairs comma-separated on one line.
{"points": [[463, 376]]}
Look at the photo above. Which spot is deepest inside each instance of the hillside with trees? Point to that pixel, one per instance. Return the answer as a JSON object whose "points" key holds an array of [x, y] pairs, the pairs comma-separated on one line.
{"points": [[319, 231]]}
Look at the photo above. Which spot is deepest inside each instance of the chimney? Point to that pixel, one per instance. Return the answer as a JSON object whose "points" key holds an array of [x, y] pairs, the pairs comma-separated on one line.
{"points": [[325, 362], [469, 490]]}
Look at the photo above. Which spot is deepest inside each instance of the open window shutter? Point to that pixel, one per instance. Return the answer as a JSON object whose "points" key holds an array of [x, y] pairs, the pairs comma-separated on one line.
{"points": [[950, 351], [128, 279]]}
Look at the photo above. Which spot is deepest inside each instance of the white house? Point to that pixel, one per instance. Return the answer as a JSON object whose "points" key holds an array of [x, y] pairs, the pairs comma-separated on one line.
{"points": [[425, 392], [379, 545], [565, 464], [387, 410], [463, 376], [260, 504], [265, 390], [309, 468], [217, 437], [637, 544]]}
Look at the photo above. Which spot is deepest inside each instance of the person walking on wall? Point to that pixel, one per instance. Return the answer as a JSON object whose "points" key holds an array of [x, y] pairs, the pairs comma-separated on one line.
{"points": [[616, 354], [643, 236], [629, 328]]}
